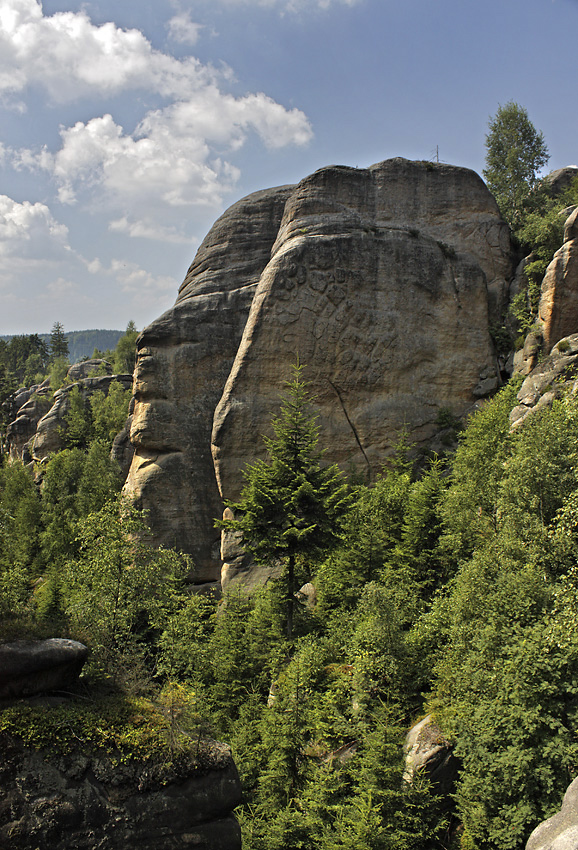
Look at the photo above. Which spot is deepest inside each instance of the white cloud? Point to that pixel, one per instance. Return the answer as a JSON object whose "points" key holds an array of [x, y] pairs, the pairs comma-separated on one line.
{"points": [[69, 57], [29, 232], [183, 30], [149, 229], [175, 158]]}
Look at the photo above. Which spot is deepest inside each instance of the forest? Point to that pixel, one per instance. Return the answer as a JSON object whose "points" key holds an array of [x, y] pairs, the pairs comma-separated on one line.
{"points": [[449, 586]]}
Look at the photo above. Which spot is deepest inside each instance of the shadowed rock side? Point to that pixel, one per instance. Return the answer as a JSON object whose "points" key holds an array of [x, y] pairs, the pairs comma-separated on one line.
{"points": [[83, 801], [380, 280], [183, 360]]}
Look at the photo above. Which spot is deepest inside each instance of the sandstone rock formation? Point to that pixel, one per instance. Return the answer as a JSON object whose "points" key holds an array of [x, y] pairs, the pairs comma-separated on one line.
{"points": [[427, 751], [559, 832], [48, 436], [27, 408], [183, 360], [84, 801], [554, 376], [382, 281], [558, 309], [30, 667]]}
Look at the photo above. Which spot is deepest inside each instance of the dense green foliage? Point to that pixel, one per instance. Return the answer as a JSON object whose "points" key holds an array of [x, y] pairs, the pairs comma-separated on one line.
{"points": [[515, 153], [450, 589], [292, 505]]}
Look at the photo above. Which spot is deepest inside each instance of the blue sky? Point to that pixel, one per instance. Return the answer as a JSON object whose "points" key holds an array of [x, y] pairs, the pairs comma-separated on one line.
{"points": [[128, 127]]}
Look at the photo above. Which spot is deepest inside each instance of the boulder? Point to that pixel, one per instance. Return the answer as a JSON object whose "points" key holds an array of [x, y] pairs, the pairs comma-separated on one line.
{"points": [[86, 368], [81, 800], [382, 281], [558, 308], [427, 751], [559, 832], [30, 667]]}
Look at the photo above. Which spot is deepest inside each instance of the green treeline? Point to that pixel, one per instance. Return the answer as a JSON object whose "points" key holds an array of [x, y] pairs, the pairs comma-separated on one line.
{"points": [[451, 590]]}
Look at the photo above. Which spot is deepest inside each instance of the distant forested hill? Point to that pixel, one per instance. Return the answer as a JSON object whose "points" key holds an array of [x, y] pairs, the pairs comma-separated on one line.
{"points": [[82, 343]]}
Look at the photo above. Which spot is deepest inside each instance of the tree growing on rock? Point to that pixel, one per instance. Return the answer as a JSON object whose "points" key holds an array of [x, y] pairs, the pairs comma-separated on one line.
{"points": [[291, 506], [515, 153]]}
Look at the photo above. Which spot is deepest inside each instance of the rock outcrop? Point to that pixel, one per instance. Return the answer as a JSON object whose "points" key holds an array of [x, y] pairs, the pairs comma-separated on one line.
{"points": [[427, 751], [383, 281], [81, 800], [554, 376], [29, 667], [558, 309], [40, 418], [559, 832]]}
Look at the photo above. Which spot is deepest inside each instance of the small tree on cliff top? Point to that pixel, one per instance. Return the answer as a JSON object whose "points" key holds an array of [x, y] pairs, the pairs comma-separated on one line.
{"points": [[291, 505], [515, 153]]}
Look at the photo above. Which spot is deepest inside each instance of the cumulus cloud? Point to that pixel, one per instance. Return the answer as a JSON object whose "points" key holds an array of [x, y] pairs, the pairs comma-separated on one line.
{"points": [[29, 232], [70, 57], [176, 157], [179, 154]]}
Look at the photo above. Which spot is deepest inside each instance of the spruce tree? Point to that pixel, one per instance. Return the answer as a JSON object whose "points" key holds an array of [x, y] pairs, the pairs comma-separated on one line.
{"points": [[58, 342], [291, 506]]}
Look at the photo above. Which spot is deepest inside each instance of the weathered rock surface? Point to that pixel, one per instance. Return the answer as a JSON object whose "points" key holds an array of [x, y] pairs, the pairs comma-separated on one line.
{"points": [[30, 667], [558, 309], [559, 832], [551, 378], [87, 368], [48, 437], [382, 281], [29, 407], [183, 360], [427, 751], [82, 801], [379, 282]]}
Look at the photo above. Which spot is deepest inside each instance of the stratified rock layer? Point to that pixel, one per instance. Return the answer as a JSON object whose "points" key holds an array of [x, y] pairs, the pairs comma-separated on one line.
{"points": [[382, 281]]}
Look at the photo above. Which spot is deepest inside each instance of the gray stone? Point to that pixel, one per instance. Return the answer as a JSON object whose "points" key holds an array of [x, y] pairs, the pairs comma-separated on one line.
{"points": [[30, 667], [84, 801], [86, 368], [427, 751], [559, 832]]}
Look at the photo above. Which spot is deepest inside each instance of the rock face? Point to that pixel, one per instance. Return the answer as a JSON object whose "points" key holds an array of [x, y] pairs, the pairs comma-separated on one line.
{"points": [[427, 751], [558, 310], [382, 281], [551, 378], [49, 430], [183, 360], [83, 802], [30, 667], [559, 832]]}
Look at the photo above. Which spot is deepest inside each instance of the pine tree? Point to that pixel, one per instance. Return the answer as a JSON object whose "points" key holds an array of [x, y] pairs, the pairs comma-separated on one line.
{"points": [[291, 505], [58, 342]]}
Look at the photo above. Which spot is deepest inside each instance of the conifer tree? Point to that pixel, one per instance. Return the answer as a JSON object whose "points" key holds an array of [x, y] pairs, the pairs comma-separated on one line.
{"points": [[292, 505], [58, 341]]}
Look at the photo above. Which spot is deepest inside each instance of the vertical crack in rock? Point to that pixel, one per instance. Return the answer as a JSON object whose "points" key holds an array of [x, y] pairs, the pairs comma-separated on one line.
{"points": [[352, 426]]}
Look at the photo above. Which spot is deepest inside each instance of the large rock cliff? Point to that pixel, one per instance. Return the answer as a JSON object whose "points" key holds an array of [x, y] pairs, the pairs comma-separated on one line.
{"points": [[382, 281]]}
